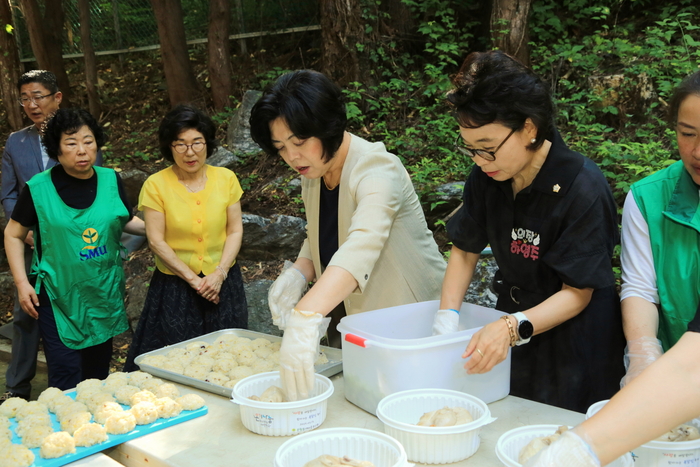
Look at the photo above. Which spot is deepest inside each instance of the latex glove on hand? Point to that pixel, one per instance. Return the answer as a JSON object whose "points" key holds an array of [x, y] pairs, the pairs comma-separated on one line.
{"points": [[285, 293], [445, 322], [639, 354], [569, 450], [299, 351]]}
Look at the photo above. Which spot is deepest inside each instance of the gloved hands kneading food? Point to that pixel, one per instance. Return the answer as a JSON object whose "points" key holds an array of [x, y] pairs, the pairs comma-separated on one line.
{"points": [[285, 293], [639, 354], [445, 322], [569, 450]]}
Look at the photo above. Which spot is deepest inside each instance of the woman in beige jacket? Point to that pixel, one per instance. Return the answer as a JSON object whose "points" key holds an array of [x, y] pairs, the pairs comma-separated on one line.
{"points": [[367, 246]]}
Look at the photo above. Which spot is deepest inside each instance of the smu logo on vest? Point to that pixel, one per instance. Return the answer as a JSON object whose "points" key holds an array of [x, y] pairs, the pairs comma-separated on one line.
{"points": [[90, 237]]}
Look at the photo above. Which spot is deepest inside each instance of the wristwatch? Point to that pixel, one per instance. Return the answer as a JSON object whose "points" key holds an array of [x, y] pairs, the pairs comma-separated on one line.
{"points": [[525, 328]]}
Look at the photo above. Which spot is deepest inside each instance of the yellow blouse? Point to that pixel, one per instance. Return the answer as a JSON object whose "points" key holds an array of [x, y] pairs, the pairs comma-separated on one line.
{"points": [[195, 223]]}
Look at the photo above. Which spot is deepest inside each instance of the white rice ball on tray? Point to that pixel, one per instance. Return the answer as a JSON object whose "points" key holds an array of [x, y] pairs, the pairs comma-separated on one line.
{"points": [[117, 375], [191, 402], [276, 346], [263, 352], [168, 408], [30, 408], [111, 387], [216, 378], [5, 433], [58, 402], [152, 384], [167, 390], [197, 372], [238, 347], [145, 412], [260, 342], [48, 394], [71, 407], [262, 366], [87, 393], [231, 383], [90, 434], [196, 346], [120, 423], [176, 366], [10, 406], [242, 340], [210, 352], [5, 444], [136, 378], [104, 411], [33, 421], [225, 365], [34, 437], [245, 357], [97, 399], [154, 360], [203, 360], [91, 383], [124, 393], [75, 421], [56, 445], [4, 421], [240, 372], [141, 396], [17, 455], [177, 352]]}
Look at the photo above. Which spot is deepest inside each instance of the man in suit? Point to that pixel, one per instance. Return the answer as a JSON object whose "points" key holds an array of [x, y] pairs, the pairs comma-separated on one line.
{"points": [[23, 157]]}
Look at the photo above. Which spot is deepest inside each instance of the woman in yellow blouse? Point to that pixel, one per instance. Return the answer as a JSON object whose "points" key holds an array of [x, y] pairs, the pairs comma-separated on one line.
{"points": [[194, 227]]}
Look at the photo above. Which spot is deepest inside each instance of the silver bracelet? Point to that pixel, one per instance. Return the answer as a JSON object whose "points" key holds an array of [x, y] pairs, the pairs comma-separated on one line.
{"points": [[222, 272]]}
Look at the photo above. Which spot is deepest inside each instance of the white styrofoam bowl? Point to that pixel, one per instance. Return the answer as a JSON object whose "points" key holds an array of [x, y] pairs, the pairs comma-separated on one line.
{"points": [[358, 443], [595, 408], [513, 441], [280, 418], [433, 445]]}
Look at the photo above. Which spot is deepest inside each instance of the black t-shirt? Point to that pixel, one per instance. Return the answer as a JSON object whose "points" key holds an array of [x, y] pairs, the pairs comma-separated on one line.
{"points": [[561, 228], [694, 325], [328, 223]]}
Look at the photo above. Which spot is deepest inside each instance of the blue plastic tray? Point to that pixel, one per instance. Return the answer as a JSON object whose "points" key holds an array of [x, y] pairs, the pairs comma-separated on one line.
{"points": [[112, 440]]}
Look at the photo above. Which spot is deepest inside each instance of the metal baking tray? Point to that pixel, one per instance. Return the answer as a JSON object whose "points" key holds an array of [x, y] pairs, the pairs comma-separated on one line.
{"points": [[333, 367]]}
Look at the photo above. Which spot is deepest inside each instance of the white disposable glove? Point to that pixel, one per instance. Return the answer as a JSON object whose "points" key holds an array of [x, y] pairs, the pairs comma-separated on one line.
{"points": [[299, 352], [639, 354], [285, 293], [445, 322], [569, 450]]}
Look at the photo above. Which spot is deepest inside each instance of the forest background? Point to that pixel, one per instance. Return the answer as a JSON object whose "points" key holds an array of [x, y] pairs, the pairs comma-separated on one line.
{"points": [[611, 65]]}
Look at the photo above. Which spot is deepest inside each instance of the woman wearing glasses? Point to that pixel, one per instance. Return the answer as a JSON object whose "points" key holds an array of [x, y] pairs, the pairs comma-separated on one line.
{"points": [[550, 218], [194, 227]]}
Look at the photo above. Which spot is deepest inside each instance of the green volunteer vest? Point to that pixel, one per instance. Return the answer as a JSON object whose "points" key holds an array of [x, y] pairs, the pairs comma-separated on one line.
{"points": [[80, 264], [668, 201]]}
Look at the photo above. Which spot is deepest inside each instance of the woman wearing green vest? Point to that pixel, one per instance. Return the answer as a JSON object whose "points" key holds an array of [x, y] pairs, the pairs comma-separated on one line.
{"points": [[661, 243], [76, 285]]}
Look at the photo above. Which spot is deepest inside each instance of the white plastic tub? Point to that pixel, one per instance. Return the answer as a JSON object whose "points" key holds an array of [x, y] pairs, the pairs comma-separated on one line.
{"points": [[280, 418], [358, 443], [512, 442], [433, 445], [595, 408], [393, 349]]}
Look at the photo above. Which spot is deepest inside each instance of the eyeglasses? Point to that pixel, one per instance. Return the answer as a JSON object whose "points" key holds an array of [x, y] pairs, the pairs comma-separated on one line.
{"points": [[182, 148], [36, 100], [483, 153]]}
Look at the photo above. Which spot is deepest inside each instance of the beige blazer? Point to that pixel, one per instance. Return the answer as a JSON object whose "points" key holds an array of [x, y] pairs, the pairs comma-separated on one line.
{"points": [[383, 239]]}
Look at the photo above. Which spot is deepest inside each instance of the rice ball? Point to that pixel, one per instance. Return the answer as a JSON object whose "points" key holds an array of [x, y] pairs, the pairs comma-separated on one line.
{"points": [[167, 408], [17, 455], [118, 376], [176, 366], [97, 399], [262, 366], [263, 352], [91, 383], [154, 360], [260, 342], [242, 340], [87, 393], [58, 402], [26, 424], [177, 353], [231, 383], [275, 346], [142, 396], [105, 411], [167, 390], [56, 445], [191, 402], [210, 352], [136, 378], [5, 433], [120, 423], [90, 434], [10, 406], [240, 347], [196, 346], [216, 378], [71, 407], [124, 393], [240, 372], [144, 412], [197, 372], [322, 359], [75, 421], [111, 387], [34, 437], [152, 384], [48, 394], [245, 357], [274, 357], [4, 422], [205, 361], [225, 365]]}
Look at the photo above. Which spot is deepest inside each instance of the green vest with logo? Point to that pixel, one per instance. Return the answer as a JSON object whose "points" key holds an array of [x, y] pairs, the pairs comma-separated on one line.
{"points": [[81, 264], [668, 200]]}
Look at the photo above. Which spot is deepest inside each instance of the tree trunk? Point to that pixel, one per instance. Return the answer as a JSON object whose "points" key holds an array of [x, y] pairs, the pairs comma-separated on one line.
{"points": [[182, 85], [342, 28], [219, 53], [509, 30], [90, 61], [45, 35], [9, 68]]}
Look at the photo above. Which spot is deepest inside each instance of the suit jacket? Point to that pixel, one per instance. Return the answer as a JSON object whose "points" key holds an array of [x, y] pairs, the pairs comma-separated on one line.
{"points": [[21, 160], [383, 239]]}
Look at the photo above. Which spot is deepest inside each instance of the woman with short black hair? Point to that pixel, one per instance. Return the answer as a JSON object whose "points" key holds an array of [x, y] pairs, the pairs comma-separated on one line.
{"points": [[367, 246], [76, 285], [550, 218], [195, 228]]}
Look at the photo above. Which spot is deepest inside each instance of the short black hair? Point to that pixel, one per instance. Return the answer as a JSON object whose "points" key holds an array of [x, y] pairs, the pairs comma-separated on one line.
{"points": [[182, 118], [69, 121], [311, 105], [493, 87], [689, 86], [43, 77]]}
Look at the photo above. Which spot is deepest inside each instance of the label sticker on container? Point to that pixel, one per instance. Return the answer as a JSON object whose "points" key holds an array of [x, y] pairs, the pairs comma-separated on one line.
{"points": [[264, 420], [306, 420]]}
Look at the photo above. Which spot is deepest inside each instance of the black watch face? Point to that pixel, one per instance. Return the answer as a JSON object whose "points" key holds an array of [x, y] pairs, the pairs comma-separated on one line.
{"points": [[525, 330]]}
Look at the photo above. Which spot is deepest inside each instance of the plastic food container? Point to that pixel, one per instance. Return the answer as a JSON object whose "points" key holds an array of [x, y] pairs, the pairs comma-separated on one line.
{"points": [[280, 418], [595, 408], [512, 442], [668, 453], [358, 443], [433, 445], [393, 349]]}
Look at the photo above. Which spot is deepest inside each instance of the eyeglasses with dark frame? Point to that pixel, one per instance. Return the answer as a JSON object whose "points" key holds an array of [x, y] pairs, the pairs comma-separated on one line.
{"points": [[483, 153], [36, 100], [182, 148]]}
